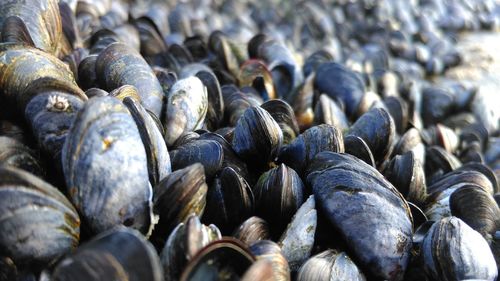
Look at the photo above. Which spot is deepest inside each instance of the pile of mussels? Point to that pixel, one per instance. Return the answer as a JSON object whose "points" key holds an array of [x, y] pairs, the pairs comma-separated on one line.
{"points": [[245, 140]]}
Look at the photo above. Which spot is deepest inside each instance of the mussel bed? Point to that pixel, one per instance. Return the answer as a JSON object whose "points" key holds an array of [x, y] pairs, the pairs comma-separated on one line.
{"points": [[246, 140]]}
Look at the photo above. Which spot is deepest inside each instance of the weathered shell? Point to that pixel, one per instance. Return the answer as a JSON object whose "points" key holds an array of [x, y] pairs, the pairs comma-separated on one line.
{"points": [[21, 78], [187, 105], [330, 265], [300, 152], [452, 250], [229, 200], [297, 240], [118, 254], [119, 64], [38, 223], [279, 193], [42, 20], [380, 234], [176, 197], [257, 137], [183, 244], [58, 107], [103, 137]]}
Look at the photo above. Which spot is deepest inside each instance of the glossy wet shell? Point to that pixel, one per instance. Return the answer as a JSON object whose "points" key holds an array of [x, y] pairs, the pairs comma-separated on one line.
{"points": [[257, 137], [38, 224], [176, 197], [119, 65], [370, 214], [103, 137], [301, 151]]}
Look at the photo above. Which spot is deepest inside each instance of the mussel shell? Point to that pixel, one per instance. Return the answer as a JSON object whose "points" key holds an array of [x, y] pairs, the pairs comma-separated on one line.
{"points": [[398, 109], [215, 111], [187, 106], [255, 70], [410, 140], [268, 250], [327, 111], [330, 265], [344, 185], [298, 239], [407, 175], [440, 191], [119, 64], [302, 150], [437, 103], [38, 223], [22, 78], [225, 259], [257, 137], [438, 159], [183, 244], [16, 154], [207, 152], [338, 82], [176, 197], [377, 129], [156, 149], [279, 193], [261, 270], [42, 19], [103, 137], [117, 254], [251, 230], [229, 200], [452, 250], [283, 114], [356, 146], [230, 158], [477, 208]]}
